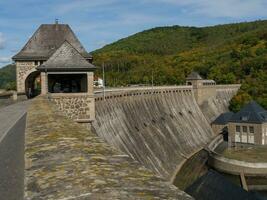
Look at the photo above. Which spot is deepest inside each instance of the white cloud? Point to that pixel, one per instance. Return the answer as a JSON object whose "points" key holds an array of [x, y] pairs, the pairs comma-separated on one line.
{"points": [[222, 8], [2, 41], [4, 60]]}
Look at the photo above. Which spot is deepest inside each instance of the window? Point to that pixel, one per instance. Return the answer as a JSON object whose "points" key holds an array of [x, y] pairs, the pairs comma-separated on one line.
{"points": [[244, 118], [237, 128], [245, 129], [237, 137], [251, 138], [244, 138], [35, 63], [251, 129], [67, 83]]}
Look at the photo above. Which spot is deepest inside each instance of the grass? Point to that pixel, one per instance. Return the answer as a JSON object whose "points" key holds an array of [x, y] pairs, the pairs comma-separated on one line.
{"points": [[250, 154]]}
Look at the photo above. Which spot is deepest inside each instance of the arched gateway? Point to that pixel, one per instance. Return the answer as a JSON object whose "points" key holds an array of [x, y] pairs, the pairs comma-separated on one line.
{"points": [[33, 84], [54, 62]]}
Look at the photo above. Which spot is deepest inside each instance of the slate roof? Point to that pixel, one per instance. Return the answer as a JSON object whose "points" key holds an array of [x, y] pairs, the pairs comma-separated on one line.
{"points": [[213, 186], [46, 40], [223, 118], [251, 113], [194, 76], [66, 58]]}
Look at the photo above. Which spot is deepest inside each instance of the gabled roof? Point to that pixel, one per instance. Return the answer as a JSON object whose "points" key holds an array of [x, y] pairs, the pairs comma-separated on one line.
{"points": [[251, 113], [213, 186], [194, 76], [46, 40], [66, 58], [223, 118]]}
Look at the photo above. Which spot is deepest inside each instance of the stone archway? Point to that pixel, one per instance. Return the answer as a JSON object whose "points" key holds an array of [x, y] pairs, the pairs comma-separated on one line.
{"points": [[33, 84]]}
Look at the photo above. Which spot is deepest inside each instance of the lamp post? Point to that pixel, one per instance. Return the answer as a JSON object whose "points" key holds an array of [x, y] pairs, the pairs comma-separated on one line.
{"points": [[103, 70]]}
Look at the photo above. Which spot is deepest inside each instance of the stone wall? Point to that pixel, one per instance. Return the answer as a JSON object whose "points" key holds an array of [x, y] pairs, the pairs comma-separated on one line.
{"points": [[257, 132], [79, 107], [159, 127], [218, 129], [23, 69]]}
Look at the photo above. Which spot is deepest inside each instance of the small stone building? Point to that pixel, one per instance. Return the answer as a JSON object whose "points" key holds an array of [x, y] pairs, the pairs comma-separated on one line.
{"points": [[249, 125], [54, 63], [40, 47], [203, 89]]}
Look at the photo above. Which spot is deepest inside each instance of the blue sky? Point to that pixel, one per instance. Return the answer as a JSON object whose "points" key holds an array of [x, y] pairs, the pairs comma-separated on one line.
{"points": [[100, 22]]}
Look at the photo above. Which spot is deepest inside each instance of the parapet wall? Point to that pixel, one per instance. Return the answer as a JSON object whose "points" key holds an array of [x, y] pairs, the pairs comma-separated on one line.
{"points": [[159, 127], [79, 107], [232, 166]]}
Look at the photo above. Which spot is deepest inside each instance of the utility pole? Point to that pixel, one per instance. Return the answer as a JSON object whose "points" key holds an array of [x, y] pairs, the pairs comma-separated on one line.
{"points": [[103, 70]]}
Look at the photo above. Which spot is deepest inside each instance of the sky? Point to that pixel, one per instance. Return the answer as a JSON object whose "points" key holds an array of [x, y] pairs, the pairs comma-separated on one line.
{"points": [[100, 22]]}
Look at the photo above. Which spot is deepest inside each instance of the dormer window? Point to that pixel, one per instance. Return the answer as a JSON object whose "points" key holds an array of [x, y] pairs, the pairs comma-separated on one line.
{"points": [[244, 118], [263, 115]]}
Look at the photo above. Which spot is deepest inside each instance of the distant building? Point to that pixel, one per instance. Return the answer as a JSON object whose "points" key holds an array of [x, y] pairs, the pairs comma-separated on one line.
{"points": [[203, 89], [196, 80], [248, 126]]}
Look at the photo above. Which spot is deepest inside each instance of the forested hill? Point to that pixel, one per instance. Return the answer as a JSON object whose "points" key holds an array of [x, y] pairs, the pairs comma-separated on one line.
{"points": [[232, 53], [8, 77]]}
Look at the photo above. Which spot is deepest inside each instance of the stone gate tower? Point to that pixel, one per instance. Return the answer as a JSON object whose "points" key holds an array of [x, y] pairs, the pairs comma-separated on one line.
{"points": [[54, 63]]}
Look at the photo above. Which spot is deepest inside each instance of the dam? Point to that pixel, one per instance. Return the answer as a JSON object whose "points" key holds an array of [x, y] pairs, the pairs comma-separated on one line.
{"points": [[110, 143], [160, 127]]}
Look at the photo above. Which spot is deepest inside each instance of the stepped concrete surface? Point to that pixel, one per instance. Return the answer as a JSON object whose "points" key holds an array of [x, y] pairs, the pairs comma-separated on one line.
{"points": [[66, 161], [161, 127], [219, 103]]}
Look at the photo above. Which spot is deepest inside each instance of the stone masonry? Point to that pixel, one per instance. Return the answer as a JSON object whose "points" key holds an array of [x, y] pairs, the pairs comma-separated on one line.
{"points": [[24, 69], [78, 107]]}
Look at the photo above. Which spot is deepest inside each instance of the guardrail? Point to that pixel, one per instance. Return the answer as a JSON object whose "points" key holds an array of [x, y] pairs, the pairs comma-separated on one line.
{"points": [[12, 136], [110, 93]]}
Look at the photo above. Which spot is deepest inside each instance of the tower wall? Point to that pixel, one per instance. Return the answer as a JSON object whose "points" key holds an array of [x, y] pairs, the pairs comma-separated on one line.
{"points": [[23, 70]]}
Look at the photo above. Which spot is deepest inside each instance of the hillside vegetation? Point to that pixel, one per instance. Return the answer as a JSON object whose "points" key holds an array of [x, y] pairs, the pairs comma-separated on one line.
{"points": [[232, 53], [8, 77]]}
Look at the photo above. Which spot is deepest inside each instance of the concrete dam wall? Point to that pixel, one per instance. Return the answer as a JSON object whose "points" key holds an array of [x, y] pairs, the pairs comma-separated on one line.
{"points": [[219, 102], [159, 127]]}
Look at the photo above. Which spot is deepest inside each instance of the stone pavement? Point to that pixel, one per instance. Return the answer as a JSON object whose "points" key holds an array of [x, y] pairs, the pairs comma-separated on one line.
{"points": [[65, 161]]}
